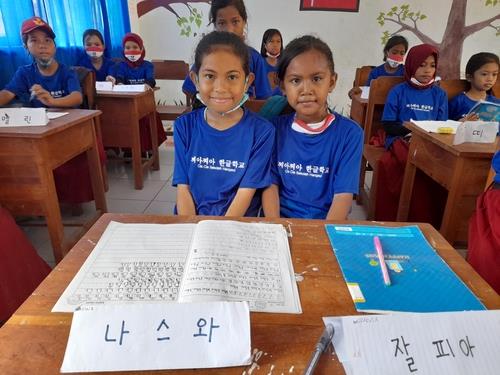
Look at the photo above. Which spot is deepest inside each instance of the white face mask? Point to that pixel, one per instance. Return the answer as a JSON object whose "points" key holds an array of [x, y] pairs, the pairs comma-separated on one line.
{"points": [[242, 101], [44, 63], [271, 55], [94, 54], [418, 83], [393, 63], [133, 57]]}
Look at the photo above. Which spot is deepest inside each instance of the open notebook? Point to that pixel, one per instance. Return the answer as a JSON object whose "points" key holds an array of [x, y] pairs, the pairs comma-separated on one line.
{"points": [[214, 260]]}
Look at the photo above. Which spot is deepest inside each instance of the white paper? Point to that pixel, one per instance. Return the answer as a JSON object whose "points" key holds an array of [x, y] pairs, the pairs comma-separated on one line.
{"points": [[129, 88], [365, 92], [241, 262], [159, 336], [132, 263], [11, 117], [456, 343], [54, 115], [103, 86], [433, 126], [477, 132]]}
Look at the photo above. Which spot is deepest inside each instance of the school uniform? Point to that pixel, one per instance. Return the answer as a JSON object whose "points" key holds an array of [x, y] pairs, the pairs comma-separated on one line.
{"points": [[310, 169], [380, 71], [106, 69], [260, 88], [215, 163], [461, 104], [272, 76]]}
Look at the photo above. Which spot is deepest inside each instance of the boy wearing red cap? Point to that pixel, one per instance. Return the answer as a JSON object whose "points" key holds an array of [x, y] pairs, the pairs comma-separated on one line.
{"points": [[44, 83]]}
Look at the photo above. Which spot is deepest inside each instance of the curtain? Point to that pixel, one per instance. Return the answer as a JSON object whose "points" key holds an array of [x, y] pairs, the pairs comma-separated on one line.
{"points": [[69, 19]]}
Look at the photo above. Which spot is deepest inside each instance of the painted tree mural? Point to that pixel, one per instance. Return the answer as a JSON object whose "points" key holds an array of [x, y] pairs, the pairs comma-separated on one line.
{"points": [[188, 24], [454, 35]]}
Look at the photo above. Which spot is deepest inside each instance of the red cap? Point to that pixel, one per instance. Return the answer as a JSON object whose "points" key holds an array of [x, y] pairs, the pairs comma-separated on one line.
{"points": [[34, 23]]}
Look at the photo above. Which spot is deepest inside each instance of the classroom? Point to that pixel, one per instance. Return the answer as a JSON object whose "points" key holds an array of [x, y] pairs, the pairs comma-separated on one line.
{"points": [[203, 127]]}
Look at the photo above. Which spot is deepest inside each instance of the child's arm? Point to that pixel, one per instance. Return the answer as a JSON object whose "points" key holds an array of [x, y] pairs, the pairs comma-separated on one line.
{"points": [[185, 203], [150, 75], [271, 201], [241, 202], [6, 96], [74, 99], [340, 207]]}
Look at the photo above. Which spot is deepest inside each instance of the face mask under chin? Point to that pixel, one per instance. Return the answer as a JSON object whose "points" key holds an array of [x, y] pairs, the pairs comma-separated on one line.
{"points": [[393, 63], [44, 63]]}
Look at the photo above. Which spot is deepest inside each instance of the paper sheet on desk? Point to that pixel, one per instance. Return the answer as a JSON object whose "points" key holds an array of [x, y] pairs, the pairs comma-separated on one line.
{"points": [[54, 115], [433, 126], [433, 343]]}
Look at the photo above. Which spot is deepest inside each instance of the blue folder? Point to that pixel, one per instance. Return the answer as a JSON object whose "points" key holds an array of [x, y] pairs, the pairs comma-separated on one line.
{"points": [[421, 280]]}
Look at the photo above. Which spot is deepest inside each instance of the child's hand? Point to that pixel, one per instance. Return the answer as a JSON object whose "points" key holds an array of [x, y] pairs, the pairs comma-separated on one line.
{"points": [[42, 95], [111, 79], [148, 87], [470, 117], [354, 91]]}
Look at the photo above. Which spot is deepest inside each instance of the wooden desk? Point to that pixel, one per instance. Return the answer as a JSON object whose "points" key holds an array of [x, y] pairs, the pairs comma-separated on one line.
{"points": [[461, 169], [28, 156], [121, 112], [358, 110], [34, 340]]}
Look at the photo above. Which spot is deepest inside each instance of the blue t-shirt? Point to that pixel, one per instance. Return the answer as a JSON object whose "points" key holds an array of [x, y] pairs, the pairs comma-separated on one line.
{"points": [[380, 71], [461, 104], [216, 163], [405, 103], [260, 89], [62, 83], [129, 75], [105, 70], [310, 169], [495, 164]]}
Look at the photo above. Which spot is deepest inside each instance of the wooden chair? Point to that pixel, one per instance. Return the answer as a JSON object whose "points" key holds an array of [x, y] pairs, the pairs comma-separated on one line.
{"points": [[496, 88], [453, 87], [379, 89], [172, 70], [254, 105], [361, 75]]}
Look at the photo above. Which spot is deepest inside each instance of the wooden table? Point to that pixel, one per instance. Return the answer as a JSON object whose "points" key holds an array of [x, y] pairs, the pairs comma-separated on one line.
{"points": [[120, 126], [34, 339], [28, 156], [461, 169]]}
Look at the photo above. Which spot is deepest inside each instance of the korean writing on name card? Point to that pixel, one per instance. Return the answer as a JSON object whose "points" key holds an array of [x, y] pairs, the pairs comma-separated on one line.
{"points": [[476, 131], [432, 343], [159, 336], [23, 117]]}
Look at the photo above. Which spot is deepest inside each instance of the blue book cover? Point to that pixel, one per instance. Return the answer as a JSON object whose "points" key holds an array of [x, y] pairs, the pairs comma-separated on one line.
{"points": [[421, 281], [487, 111]]}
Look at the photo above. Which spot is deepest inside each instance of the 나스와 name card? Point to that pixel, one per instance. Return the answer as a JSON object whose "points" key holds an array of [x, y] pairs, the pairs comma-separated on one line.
{"points": [[104, 86], [23, 117], [159, 336]]}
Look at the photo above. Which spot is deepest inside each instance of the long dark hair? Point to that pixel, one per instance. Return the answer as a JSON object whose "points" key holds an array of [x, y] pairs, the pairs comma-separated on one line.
{"points": [[268, 35], [476, 62], [220, 4], [394, 41]]}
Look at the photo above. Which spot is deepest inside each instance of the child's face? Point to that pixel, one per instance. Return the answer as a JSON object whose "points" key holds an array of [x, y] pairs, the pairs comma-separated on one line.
{"points": [[40, 45], [93, 41], [221, 80], [426, 71], [308, 81], [131, 46], [273, 46], [397, 50], [485, 77], [229, 19]]}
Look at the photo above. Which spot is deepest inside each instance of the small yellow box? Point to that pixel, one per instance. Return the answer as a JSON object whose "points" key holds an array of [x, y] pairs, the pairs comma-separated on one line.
{"points": [[445, 130]]}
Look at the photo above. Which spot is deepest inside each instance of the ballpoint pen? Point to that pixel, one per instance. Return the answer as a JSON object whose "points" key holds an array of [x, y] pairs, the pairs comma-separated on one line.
{"points": [[321, 345], [381, 260]]}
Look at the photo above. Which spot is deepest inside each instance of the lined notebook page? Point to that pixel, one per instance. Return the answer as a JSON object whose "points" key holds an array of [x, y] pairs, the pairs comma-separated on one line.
{"points": [[432, 343], [141, 263], [236, 261]]}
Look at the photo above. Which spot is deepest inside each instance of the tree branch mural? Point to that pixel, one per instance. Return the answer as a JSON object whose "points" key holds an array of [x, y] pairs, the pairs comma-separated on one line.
{"points": [[454, 35], [187, 24]]}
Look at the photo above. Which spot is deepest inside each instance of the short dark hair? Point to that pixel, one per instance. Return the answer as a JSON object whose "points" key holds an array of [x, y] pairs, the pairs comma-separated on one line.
{"points": [[221, 40], [478, 60], [394, 41], [299, 46], [92, 32], [220, 4], [268, 35]]}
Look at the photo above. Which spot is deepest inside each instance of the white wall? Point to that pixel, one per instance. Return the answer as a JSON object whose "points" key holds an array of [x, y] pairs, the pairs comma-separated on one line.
{"points": [[353, 37]]}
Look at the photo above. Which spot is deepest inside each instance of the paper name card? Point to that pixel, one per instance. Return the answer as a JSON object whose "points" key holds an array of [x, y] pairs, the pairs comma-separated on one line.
{"points": [[365, 92], [159, 336], [433, 343], [104, 86], [130, 88], [23, 117], [476, 131]]}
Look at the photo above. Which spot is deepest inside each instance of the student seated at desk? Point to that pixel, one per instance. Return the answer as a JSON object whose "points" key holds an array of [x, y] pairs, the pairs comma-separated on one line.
{"points": [[95, 58], [135, 70], [222, 151], [481, 73], [418, 99], [394, 53], [317, 153], [47, 83]]}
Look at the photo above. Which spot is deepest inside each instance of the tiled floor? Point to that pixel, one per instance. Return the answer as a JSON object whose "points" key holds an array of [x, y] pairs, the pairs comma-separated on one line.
{"points": [[157, 197]]}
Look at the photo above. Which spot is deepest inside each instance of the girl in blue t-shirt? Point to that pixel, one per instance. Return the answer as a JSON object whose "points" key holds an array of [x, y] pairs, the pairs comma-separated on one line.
{"points": [[95, 58], [270, 49], [481, 72], [231, 16], [394, 53], [222, 151], [317, 153]]}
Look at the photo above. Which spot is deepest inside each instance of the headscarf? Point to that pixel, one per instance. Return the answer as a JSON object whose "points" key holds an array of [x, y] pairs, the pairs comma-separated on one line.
{"points": [[415, 57], [137, 39]]}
